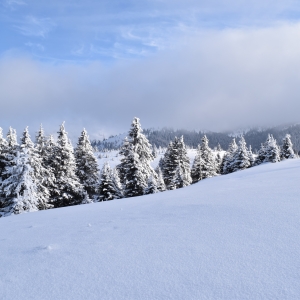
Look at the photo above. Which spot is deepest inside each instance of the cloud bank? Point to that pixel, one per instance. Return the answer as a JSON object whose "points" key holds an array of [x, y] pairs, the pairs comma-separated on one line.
{"points": [[211, 79]]}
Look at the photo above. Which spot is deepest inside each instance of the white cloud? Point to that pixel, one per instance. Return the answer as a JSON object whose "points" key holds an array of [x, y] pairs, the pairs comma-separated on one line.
{"points": [[33, 26], [210, 80]]}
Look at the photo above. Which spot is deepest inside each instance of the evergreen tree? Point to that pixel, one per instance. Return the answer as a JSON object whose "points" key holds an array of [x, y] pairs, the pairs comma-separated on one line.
{"points": [[219, 162], [251, 156], [152, 187], [3, 149], [107, 188], [241, 159], [196, 171], [87, 167], [272, 151], [160, 180], [117, 183], [23, 187], [176, 162], [229, 158], [135, 168], [40, 141], [135, 179], [204, 165], [261, 155], [269, 151], [287, 148], [68, 189]]}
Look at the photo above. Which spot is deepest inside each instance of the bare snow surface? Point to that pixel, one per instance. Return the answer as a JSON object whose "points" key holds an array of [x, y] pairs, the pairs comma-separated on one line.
{"points": [[229, 237]]}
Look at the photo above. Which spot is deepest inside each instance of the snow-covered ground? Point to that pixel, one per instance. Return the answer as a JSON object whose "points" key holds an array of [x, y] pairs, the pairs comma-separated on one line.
{"points": [[229, 237]]}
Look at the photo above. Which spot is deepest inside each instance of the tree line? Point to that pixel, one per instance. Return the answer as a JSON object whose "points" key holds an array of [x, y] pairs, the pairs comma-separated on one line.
{"points": [[50, 174]]}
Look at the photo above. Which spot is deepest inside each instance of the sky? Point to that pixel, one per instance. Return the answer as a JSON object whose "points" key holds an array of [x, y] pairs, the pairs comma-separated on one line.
{"points": [[203, 65]]}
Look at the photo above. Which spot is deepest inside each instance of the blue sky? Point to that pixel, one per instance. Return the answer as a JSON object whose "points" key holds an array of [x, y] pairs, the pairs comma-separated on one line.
{"points": [[213, 65], [112, 30]]}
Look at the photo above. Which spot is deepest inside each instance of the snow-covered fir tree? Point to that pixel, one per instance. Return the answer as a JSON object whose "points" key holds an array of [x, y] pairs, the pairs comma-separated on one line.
{"points": [[108, 190], [160, 180], [87, 167], [117, 182], [176, 164], [229, 158], [68, 189], [40, 141], [287, 148], [23, 187], [196, 171], [154, 151], [269, 151], [135, 179], [9, 149], [135, 168], [251, 156], [219, 162], [204, 165], [241, 159], [272, 151], [152, 187], [3, 149]]}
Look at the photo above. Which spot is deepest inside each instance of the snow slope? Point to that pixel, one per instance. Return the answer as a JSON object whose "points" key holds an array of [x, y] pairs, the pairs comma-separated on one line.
{"points": [[229, 237]]}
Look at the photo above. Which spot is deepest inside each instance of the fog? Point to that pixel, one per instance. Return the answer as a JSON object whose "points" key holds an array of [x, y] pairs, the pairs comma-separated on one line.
{"points": [[212, 80]]}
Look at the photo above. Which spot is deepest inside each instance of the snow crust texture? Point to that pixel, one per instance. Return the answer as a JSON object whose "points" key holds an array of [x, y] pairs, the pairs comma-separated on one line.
{"points": [[229, 237]]}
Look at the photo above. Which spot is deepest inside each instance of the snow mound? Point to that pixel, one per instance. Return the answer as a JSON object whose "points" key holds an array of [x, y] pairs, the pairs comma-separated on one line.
{"points": [[229, 237]]}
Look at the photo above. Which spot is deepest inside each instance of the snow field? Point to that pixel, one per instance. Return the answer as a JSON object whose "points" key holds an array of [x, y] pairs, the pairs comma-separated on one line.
{"points": [[235, 236]]}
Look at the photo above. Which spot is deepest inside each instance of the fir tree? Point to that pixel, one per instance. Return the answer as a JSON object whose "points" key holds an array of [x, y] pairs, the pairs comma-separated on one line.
{"points": [[152, 187], [3, 149], [160, 180], [272, 151], [229, 158], [107, 188], [204, 165], [135, 179], [241, 159], [196, 171], [68, 189], [135, 168], [176, 162], [287, 148], [251, 156], [23, 187], [87, 167]]}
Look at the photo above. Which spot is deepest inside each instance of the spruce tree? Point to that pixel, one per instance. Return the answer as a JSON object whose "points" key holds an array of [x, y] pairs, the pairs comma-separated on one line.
{"points": [[68, 189], [108, 190], [160, 180], [87, 167], [241, 159], [170, 165], [229, 158], [204, 165], [287, 148], [176, 162], [135, 179], [152, 187], [23, 187], [3, 149], [135, 168], [272, 151], [196, 171]]}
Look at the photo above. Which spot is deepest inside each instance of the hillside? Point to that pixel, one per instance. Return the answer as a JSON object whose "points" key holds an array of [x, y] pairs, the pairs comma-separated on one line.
{"points": [[253, 137], [230, 237]]}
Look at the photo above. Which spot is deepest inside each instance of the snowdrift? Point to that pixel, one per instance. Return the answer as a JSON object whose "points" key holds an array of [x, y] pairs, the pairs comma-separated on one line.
{"points": [[229, 237]]}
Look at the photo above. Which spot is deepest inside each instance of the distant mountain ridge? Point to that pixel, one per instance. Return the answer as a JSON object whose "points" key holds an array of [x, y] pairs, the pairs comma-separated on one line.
{"points": [[162, 137]]}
